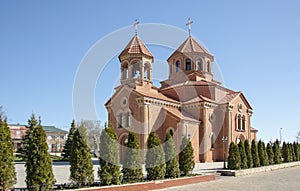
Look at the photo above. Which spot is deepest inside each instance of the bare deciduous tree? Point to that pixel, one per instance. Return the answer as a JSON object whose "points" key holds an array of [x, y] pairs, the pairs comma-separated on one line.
{"points": [[298, 136], [93, 130]]}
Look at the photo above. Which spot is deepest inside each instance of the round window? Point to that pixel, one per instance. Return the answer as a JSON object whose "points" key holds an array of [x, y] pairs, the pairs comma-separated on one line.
{"points": [[124, 101], [240, 107]]}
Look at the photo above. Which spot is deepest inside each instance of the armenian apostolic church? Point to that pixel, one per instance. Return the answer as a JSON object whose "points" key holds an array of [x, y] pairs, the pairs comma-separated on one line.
{"points": [[189, 103]]}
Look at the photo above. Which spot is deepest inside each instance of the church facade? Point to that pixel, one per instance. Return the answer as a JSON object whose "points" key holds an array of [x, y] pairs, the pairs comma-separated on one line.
{"points": [[189, 103]]}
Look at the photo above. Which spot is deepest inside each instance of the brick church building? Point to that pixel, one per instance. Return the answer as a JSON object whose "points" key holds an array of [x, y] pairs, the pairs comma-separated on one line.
{"points": [[189, 103]]}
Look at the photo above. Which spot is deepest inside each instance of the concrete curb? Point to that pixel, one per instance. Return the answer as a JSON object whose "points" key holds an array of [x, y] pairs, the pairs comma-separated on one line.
{"points": [[258, 170], [154, 185]]}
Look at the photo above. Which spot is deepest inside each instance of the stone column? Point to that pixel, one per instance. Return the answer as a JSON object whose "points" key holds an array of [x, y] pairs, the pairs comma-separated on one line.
{"points": [[130, 74], [142, 69], [205, 134]]}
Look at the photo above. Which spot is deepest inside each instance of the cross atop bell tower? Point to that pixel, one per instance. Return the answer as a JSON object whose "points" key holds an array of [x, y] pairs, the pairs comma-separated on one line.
{"points": [[136, 23], [188, 24]]}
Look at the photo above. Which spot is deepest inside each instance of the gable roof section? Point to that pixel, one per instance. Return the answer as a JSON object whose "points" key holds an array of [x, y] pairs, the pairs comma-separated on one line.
{"points": [[136, 46], [158, 95], [240, 94]]}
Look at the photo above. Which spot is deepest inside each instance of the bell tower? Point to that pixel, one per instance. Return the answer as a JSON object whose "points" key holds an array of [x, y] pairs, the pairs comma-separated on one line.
{"points": [[136, 62], [191, 61]]}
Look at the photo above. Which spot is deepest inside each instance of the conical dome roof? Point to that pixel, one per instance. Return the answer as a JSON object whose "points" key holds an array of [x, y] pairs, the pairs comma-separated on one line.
{"points": [[136, 46], [190, 45]]}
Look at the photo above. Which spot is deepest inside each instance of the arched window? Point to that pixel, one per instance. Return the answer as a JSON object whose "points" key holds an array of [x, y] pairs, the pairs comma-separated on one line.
{"points": [[178, 66], [199, 64], [171, 132], [147, 68], [187, 64], [124, 71], [120, 121], [239, 122], [128, 119], [243, 123], [208, 67]]}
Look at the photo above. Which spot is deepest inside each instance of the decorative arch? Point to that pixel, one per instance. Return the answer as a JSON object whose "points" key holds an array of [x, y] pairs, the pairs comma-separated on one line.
{"points": [[136, 68], [122, 142], [242, 137], [171, 129]]}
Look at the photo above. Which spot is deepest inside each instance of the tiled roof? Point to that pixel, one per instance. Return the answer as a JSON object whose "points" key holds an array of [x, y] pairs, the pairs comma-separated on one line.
{"points": [[193, 100], [53, 129], [191, 45], [157, 95], [46, 128], [229, 96], [136, 46], [181, 114]]}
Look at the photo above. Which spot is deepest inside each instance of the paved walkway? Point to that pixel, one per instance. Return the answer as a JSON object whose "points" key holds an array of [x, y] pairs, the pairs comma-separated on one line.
{"points": [[285, 179], [61, 171]]}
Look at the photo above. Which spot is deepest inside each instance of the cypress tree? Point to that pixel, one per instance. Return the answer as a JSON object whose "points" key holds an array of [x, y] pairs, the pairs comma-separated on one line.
{"points": [[68, 145], [81, 166], [293, 153], [254, 152], [109, 158], [172, 165], [277, 153], [248, 154], [39, 175], [270, 154], [23, 150], [243, 156], [132, 164], [155, 158], [234, 158], [262, 153], [286, 152], [7, 166], [296, 150], [186, 157]]}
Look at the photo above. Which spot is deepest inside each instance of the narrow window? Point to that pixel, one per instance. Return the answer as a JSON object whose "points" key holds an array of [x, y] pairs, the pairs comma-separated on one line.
{"points": [[120, 121], [239, 123], [199, 64], [128, 119], [212, 140], [187, 64], [244, 123], [178, 66], [208, 67]]}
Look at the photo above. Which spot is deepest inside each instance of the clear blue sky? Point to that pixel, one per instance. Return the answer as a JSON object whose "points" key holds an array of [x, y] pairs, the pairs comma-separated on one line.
{"points": [[256, 44]]}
